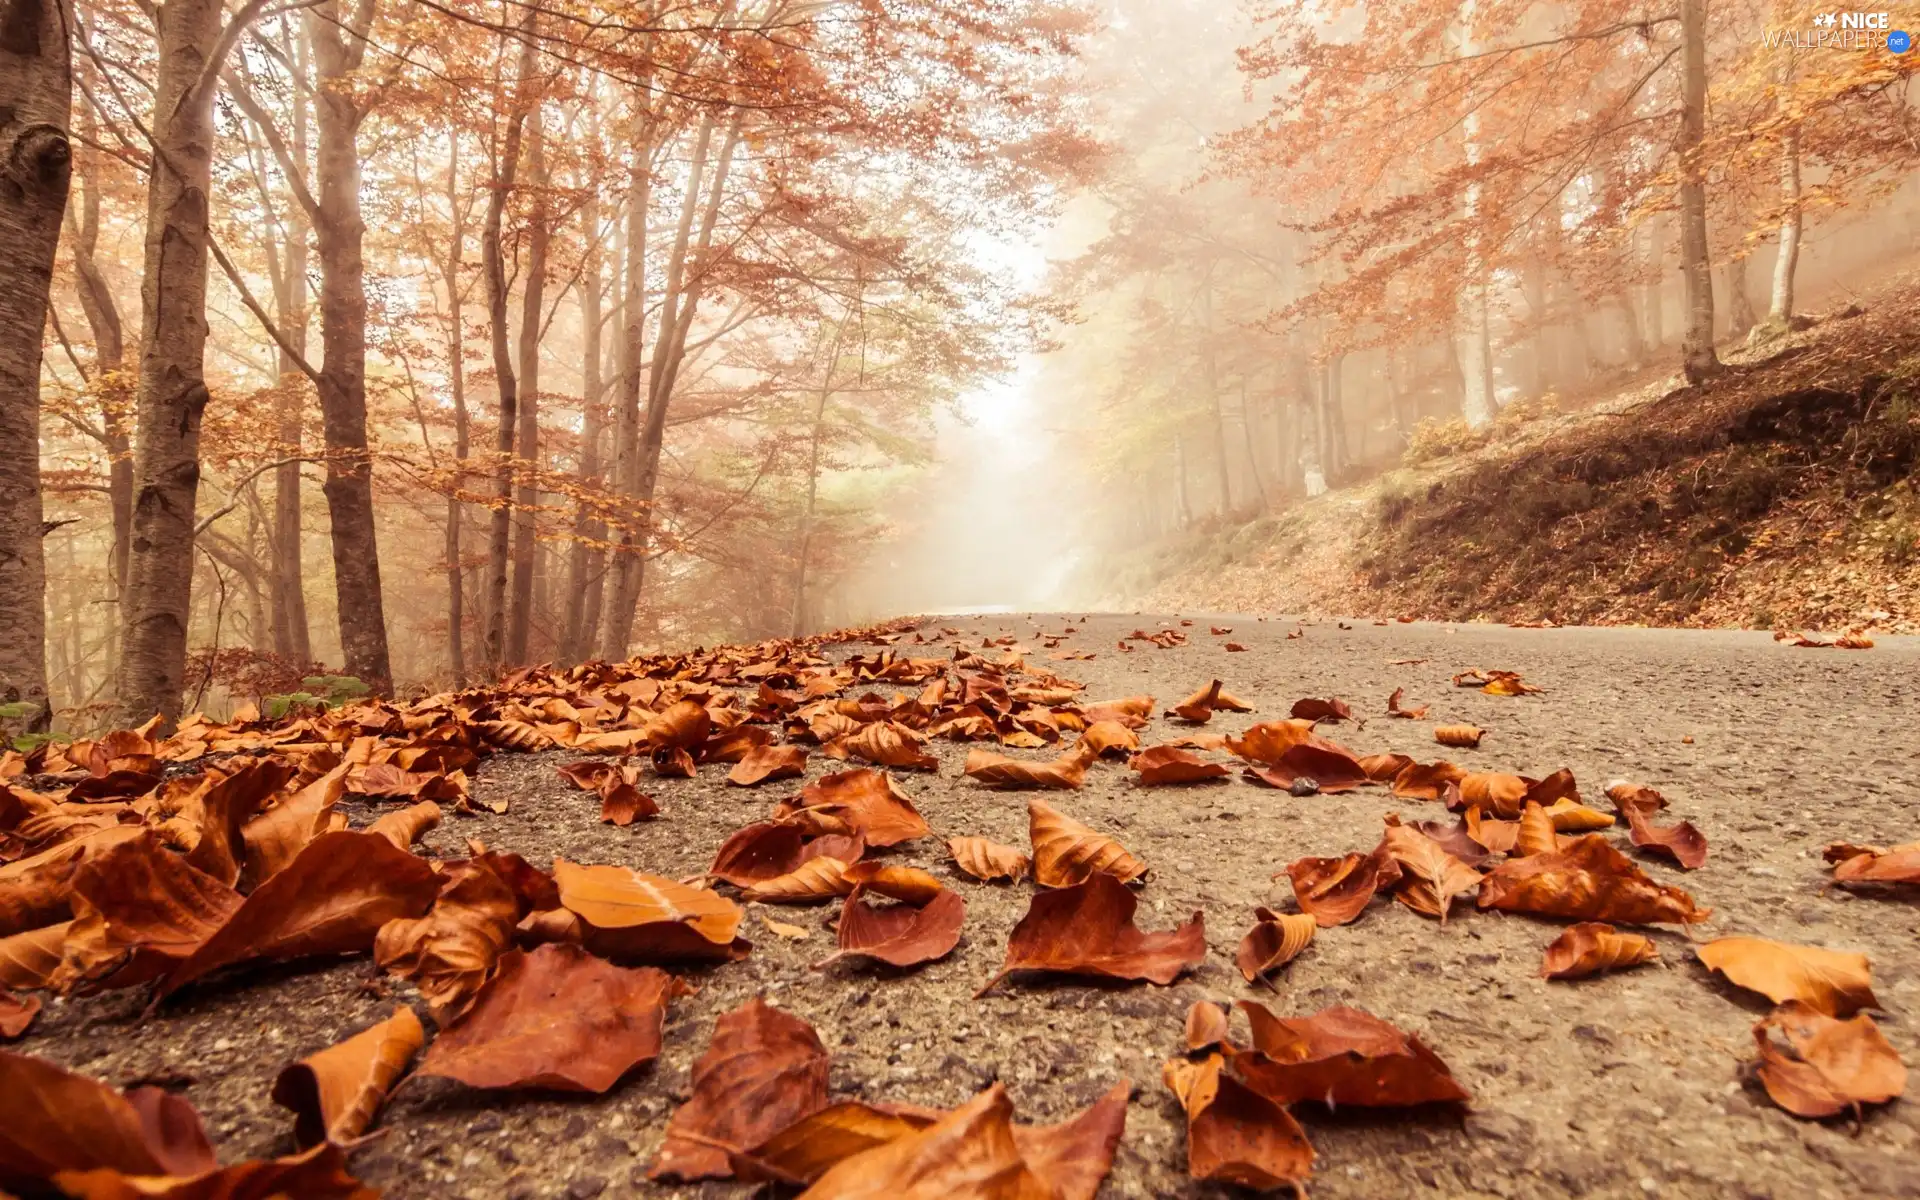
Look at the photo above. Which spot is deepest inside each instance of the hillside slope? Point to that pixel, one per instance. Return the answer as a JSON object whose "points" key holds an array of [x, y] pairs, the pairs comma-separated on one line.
{"points": [[1781, 494]]}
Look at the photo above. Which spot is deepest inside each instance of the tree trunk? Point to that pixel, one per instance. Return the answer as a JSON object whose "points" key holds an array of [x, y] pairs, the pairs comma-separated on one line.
{"points": [[172, 391], [36, 160], [1210, 371], [494, 268], [532, 301], [584, 560], [1180, 477], [1740, 317], [338, 230], [626, 426], [462, 425], [797, 625], [1477, 401], [1780, 305], [292, 635], [1699, 361], [1653, 306]]}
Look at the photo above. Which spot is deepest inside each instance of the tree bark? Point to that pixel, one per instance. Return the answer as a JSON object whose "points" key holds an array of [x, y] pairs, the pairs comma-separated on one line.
{"points": [[1210, 371], [339, 45], [1740, 316], [584, 559], [1699, 362], [172, 392], [527, 450], [494, 269], [292, 635], [36, 162], [618, 612], [1780, 304], [462, 424]]}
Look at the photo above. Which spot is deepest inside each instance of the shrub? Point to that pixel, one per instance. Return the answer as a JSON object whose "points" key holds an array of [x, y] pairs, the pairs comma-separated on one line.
{"points": [[1435, 437]]}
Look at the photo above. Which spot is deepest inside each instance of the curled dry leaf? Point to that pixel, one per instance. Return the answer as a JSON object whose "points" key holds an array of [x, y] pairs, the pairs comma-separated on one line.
{"points": [[814, 880], [335, 1094], [866, 803], [1339, 1056], [1132, 712], [1160, 765], [1329, 710], [1536, 834], [318, 1174], [557, 1018], [1394, 709], [1266, 742], [1206, 1025], [763, 1071], [808, 1148], [984, 860], [886, 744], [1682, 843], [1855, 864], [770, 849], [38, 890], [1381, 768], [1587, 880], [1088, 929], [909, 884], [1066, 853], [53, 1120], [1198, 707], [277, 835], [403, 827], [1501, 795], [998, 770], [1833, 982], [1234, 1134], [683, 726], [16, 1013], [1592, 947], [142, 909], [1820, 1067], [621, 804], [332, 898], [1456, 839], [1430, 877], [763, 763], [627, 914], [1330, 767], [1570, 816], [1333, 891], [1426, 781], [900, 935], [450, 953], [1467, 736], [1497, 836], [1275, 940], [1110, 739]]}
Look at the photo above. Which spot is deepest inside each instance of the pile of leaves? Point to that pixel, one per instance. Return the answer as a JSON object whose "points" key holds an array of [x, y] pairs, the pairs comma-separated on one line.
{"points": [[140, 861]]}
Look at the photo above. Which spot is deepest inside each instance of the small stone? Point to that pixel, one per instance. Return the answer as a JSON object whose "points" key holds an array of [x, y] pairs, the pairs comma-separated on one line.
{"points": [[576, 1127], [222, 1044], [484, 1123], [1303, 787], [521, 1189], [586, 1187]]}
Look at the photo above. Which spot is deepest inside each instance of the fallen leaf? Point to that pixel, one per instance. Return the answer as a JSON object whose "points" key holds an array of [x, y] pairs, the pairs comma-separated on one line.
{"points": [[1339, 1056], [770, 849], [1333, 891], [1266, 742], [275, 837], [16, 1013], [1497, 836], [28, 960], [1110, 738], [984, 860], [1381, 768], [629, 915], [317, 1174], [1234, 1134], [451, 952], [1331, 768], [1088, 929], [1430, 877], [335, 1094], [1198, 707], [36, 890], [1329, 710], [1467, 736], [814, 880], [1826, 1066], [1206, 1025], [1501, 795], [1833, 982], [998, 770], [141, 910], [1864, 864], [683, 726], [1132, 712], [53, 1120], [909, 884], [763, 1070], [403, 827], [1160, 765], [1456, 839], [1234, 648], [865, 802], [1412, 714], [900, 935], [1219, 630], [1592, 947], [1275, 940], [793, 933], [331, 899], [763, 763], [1426, 781], [808, 1148], [1571, 817], [1536, 834], [1587, 880], [1066, 853], [887, 744], [558, 1018]]}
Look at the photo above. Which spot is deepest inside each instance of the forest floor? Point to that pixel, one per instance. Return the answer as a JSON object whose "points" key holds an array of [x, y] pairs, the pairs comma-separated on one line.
{"points": [[1632, 1083], [1782, 494]]}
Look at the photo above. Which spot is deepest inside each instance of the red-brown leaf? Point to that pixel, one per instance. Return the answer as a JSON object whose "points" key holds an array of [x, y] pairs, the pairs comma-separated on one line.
{"points": [[1088, 929]]}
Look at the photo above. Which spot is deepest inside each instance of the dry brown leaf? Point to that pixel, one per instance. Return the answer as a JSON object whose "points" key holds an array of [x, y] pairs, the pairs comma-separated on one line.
{"points": [[1275, 940], [793, 933], [1133, 712], [808, 1148], [1341, 1056], [866, 803], [1206, 1025], [1570, 816], [1088, 929], [558, 1018], [1682, 843], [1159, 765], [29, 960], [53, 1120], [1430, 877], [763, 1071], [335, 1094], [1333, 891], [1501, 795], [770, 849], [629, 915], [36, 891], [1331, 767], [1234, 1134], [1328, 710], [318, 1174], [1066, 853], [683, 726], [1467, 736], [900, 935], [1266, 742], [908, 884], [998, 770], [403, 827], [277, 835], [1859, 864], [763, 763], [984, 860], [1536, 834], [1587, 880], [16, 1013], [1592, 947], [1412, 714], [142, 909], [1833, 982], [1381, 768], [886, 744], [813, 881], [451, 952], [1826, 1066], [1427, 781], [1110, 738]]}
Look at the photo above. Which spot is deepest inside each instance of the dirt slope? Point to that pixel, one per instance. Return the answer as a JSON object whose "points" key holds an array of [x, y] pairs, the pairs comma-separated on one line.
{"points": [[1782, 494], [1628, 1085]]}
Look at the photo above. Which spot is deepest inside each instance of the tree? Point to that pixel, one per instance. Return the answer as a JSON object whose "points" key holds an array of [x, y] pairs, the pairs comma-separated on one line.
{"points": [[1700, 360]]}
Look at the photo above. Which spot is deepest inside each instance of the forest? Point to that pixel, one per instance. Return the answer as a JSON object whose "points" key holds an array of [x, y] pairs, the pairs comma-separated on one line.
{"points": [[354, 345]]}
